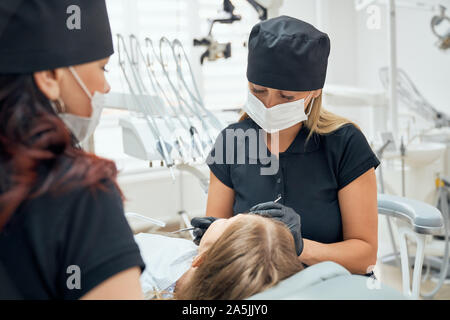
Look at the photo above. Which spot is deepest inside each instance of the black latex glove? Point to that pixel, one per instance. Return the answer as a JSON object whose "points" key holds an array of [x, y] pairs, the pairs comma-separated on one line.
{"points": [[284, 214], [201, 225]]}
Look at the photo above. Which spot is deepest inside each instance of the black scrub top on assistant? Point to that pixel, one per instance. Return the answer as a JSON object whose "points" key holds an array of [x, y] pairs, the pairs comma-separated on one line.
{"points": [[49, 234], [308, 179]]}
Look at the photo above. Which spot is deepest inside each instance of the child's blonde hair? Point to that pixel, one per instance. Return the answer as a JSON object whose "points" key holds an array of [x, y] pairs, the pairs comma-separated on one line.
{"points": [[252, 255]]}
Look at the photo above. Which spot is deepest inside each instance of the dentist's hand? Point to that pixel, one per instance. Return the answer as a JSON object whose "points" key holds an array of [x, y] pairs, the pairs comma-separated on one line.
{"points": [[284, 214], [201, 225]]}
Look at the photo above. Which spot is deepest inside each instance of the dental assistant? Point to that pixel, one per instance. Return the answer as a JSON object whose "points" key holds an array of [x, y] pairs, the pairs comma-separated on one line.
{"points": [[63, 232], [326, 168]]}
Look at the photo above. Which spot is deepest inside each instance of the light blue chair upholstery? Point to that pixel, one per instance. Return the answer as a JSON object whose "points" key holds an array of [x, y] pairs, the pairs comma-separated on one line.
{"points": [[415, 220], [422, 217], [328, 281]]}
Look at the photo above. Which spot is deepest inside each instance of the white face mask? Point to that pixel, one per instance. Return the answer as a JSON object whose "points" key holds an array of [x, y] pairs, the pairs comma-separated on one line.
{"points": [[278, 117], [84, 127]]}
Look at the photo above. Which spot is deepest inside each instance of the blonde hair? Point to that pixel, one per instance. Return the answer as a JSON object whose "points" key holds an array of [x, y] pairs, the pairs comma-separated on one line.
{"points": [[252, 255], [320, 121]]}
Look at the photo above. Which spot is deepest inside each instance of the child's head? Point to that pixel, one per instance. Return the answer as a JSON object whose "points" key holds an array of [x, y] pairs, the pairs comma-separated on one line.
{"points": [[238, 258]]}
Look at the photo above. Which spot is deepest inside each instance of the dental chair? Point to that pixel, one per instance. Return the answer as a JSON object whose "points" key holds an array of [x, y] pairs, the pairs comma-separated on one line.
{"points": [[330, 281], [416, 220]]}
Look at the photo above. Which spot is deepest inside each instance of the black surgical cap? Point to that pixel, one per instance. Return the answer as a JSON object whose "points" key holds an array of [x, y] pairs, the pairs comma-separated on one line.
{"points": [[288, 54], [38, 35]]}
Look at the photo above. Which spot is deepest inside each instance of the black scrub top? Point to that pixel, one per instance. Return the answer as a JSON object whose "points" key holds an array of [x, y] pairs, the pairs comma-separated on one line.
{"points": [[309, 177], [48, 235]]}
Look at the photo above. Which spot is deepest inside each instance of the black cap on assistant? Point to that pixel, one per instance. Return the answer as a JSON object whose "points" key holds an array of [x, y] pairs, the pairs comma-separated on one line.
{"points": [[288, 54], [38, 35]]}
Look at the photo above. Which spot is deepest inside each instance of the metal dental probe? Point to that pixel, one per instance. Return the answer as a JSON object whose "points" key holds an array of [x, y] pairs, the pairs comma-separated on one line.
{"points": [[181, 230]]}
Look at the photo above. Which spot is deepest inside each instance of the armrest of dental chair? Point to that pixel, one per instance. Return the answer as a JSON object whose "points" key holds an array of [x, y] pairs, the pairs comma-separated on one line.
{"points": [[328, 281], [423, 218], [417, 220]]}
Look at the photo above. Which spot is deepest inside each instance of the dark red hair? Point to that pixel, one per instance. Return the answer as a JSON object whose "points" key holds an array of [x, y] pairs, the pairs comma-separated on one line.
{"points": [[38, 154]]}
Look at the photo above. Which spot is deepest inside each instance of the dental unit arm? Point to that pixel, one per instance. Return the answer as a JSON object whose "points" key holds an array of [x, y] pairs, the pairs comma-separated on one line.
{"points": [[413, 99], [167, 122], [443, 42]]}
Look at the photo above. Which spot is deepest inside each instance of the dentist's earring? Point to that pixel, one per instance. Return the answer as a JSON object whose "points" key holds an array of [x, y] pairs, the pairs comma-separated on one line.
{"points": [[58, 106], [61, 105]]}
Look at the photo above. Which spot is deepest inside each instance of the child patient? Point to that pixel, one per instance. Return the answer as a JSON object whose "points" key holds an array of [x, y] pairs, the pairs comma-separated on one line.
{"points": [[236, 258], [239, 257]]}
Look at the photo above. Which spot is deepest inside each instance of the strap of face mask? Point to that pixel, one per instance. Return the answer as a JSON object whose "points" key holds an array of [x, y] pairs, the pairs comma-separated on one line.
{"points": [[80, 82], [312, 105]]}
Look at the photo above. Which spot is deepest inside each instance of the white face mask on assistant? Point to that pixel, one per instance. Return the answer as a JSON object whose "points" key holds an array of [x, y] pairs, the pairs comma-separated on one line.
{"points": [[278, 117], [84, 127]]}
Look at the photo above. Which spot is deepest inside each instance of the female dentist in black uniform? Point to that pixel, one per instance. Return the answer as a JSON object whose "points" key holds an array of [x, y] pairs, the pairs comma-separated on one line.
{"points": [[325, 167], [63, 232]]}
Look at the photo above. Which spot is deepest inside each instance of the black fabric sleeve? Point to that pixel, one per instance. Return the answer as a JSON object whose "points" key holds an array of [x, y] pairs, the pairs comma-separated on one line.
{"points": [[216, 160], [97, 239], [356, 156]]}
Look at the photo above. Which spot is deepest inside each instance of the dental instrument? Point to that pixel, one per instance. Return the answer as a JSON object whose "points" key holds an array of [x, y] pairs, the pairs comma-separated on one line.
{"points": [[182, 118], [145, 218], [160, 109], [161, 146], [198, 143], [179, 92], [181, 55], [182, 230]]}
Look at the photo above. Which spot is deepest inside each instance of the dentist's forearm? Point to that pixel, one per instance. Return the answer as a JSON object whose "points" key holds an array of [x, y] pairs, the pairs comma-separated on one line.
{"points": [[354, 254]]}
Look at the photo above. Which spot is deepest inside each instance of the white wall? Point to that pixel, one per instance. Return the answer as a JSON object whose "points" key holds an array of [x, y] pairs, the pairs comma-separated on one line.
{"points": [[153, 193], [338, 20], [357, 53], [427, 66]]}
